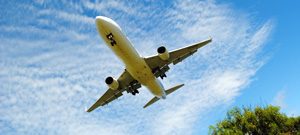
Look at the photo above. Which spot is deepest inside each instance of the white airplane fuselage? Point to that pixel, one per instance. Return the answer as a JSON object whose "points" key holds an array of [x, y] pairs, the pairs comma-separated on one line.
{"points": [[134, 62]]}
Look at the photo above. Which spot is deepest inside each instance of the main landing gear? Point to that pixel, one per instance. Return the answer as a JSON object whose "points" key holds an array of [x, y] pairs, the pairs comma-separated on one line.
{"points": [[110, 37], [133, 87], [134, 92], [160, 72], [163, 75]]}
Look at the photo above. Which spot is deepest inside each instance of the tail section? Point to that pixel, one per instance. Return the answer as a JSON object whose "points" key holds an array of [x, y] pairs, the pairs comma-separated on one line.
{"points": [[169, 91], [153, 100]]}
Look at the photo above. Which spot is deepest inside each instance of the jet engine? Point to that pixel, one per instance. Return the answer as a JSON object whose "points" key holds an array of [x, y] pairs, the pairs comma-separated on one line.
{"points": [[163, 53], [112, 83]]}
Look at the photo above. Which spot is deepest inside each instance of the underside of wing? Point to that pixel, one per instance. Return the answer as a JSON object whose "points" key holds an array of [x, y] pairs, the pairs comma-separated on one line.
{"points": [[126, 82], [175, 56], [107, 97]]}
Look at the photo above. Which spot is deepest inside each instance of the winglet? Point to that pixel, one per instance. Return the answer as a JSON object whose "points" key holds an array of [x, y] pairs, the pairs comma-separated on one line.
{"points": [[210, 37], [86, 109]]}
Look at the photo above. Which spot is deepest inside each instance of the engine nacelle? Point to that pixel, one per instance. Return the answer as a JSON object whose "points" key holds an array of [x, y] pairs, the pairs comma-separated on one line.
{"points": [[112, 83], [163, 53]]}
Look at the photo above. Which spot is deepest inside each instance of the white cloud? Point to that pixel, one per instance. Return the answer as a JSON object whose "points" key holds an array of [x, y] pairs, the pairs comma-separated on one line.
{"points": [[109, 7], [70, 17], [279, 99], [49, 72]]}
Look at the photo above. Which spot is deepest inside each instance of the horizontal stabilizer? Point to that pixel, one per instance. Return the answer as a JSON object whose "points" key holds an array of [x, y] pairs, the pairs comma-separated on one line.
{"points": [[153, 100], [169, 91]]}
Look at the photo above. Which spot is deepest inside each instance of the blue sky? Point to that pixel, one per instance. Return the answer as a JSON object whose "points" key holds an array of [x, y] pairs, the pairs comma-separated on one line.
{"points": [[53, 63]]}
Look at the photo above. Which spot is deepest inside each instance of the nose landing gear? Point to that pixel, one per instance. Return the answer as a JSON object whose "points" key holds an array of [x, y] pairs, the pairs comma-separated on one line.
{"points": [[113, 42], [110, 37]]}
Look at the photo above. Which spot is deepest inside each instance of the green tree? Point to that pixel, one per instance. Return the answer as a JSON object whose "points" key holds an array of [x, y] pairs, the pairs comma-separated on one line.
{"points": [[261, 120]]}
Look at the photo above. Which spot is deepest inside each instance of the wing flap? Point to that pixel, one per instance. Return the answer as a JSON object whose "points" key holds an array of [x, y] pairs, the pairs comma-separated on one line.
{"points": [[186, 51], [113, 97], [107, 97], [181, 58]]}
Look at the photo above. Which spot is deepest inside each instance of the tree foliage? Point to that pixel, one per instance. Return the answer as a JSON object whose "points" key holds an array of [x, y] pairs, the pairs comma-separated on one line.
{"points": [[266, 120]]}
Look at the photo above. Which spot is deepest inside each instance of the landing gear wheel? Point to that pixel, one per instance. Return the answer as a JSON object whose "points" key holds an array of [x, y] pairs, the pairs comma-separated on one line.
{"points": [[133, 93], [113, 42], [136, 91], [163, 75]]}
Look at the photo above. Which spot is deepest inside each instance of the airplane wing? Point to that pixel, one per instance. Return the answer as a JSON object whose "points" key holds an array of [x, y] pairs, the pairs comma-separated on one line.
{"points": [[159, 66], [126, 81]]}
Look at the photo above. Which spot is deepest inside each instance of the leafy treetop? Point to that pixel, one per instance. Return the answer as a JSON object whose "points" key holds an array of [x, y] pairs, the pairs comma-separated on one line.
{"points": [[266, 120]]}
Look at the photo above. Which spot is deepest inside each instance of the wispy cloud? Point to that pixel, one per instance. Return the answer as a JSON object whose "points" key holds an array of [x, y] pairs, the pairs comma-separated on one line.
{"points": [[279, 99], [53, 64]]}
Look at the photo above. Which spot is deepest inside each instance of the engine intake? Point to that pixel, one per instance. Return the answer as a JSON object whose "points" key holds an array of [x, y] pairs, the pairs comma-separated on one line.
{"points": [[163, 53], [112, 83]]}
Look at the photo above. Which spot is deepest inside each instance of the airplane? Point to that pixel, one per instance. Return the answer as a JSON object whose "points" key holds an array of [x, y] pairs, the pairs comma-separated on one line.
{"points": [[138, 70]]}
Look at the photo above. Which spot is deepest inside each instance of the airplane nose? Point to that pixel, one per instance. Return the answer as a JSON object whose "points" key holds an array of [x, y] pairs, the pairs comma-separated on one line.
{"points": [[101, 22], [101, 19]]}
